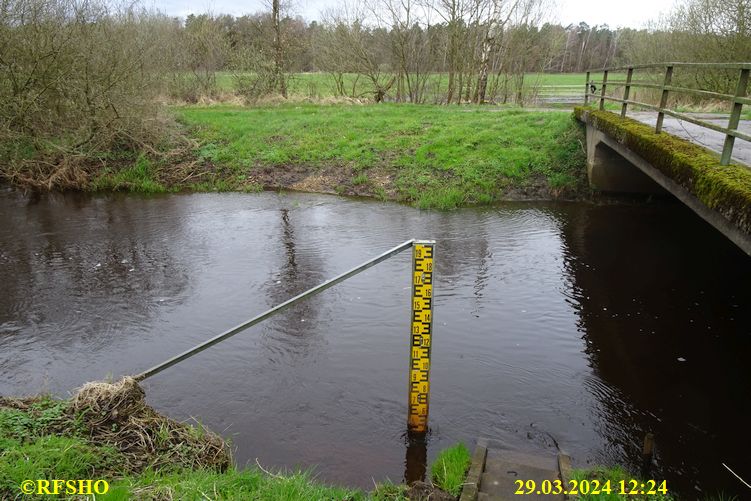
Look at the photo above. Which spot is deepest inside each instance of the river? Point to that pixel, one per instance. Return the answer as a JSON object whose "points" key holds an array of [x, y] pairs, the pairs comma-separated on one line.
{"points": [[568, 325]]}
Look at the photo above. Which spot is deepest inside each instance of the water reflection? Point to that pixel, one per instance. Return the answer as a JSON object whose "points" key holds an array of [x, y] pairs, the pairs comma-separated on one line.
{"points": [[72, 274], [299, 268], [416, 459], [667, 358]]}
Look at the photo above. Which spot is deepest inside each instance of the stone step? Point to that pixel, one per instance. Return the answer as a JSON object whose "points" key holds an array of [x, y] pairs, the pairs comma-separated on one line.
{"points": [[500, 480], [495, 473]]}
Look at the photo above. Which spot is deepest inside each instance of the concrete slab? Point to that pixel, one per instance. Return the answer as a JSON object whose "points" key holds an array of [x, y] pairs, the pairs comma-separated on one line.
{"points": [[501, 469], [501, 480]]}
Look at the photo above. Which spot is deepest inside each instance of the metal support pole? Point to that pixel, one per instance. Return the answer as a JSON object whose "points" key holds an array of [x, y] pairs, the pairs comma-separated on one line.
{"points": [[422, 331], [664, 98], [268, 313], [626, 91], [735, 116], [586, 90], [604, 84]]}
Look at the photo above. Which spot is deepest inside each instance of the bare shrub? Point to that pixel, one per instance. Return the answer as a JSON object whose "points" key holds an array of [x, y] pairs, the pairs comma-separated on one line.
{"points": [[253, 76], [78, 81]]}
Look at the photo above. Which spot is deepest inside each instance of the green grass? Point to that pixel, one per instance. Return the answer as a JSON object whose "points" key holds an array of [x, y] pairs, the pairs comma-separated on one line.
{"points": [[360, 179], [436, 156], [51, 457], [450, 468], [42, 416], [42, 442], [44, 439], [140, 178], [233, 484]]}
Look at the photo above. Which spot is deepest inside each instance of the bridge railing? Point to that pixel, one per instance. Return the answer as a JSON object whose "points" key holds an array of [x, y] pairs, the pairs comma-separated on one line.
{"points": [[597, 89]]}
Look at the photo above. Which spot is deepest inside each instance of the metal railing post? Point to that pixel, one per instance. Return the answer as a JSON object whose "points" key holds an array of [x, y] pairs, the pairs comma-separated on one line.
{"points": [[626, 91], [664, 98], [586, 90], [602, 93], [735, 116]]}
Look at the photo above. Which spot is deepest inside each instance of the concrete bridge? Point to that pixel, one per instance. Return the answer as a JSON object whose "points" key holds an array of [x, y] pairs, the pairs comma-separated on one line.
{"points": [[627, 156]]}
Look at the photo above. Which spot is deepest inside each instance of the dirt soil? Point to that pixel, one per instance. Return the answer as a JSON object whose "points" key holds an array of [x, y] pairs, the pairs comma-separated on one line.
{"points": [[421, 491], [334, 179], [339, 180]]}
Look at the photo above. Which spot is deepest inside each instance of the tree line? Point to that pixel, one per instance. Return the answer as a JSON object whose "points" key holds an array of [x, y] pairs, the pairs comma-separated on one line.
{"points": [[82, 78], [482, 49]]}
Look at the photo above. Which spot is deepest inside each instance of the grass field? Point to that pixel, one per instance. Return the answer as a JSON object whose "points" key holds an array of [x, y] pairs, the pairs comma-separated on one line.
{"points": [[321, 85], [435, 156]]}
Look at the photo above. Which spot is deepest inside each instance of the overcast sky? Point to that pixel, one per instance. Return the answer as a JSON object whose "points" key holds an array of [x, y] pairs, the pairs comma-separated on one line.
{"points": [[615, 13]]}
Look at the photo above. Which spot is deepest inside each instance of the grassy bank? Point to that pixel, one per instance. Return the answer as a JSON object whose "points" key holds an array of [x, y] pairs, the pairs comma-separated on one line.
{"points": [[107, 432], [434, 156]]}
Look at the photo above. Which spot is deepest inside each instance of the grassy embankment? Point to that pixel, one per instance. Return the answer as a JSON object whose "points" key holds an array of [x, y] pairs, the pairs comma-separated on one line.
{"points": [[434, 156], [107, 432], [431, 155]]}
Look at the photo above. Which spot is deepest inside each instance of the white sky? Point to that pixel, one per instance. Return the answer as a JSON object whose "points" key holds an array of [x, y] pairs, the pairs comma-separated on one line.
{"points": [[615, 13]]}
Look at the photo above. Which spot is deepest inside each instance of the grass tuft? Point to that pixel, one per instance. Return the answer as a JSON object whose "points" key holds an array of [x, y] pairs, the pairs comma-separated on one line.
{"points": [[388, 491], [450, 468]]}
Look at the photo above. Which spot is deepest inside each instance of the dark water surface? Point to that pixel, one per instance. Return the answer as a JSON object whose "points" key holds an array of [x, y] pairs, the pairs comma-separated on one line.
{"points": [[561, 323]]}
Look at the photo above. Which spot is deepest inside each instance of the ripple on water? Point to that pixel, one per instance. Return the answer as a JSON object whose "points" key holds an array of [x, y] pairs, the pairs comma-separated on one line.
{"points": [[553, 323]]}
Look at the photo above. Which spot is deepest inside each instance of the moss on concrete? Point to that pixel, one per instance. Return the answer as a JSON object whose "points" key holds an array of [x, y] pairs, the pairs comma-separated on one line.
{"points": [[724, 188]]}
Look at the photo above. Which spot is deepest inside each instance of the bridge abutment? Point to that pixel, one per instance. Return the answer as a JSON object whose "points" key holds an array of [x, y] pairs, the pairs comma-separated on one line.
{"points": [[614, 165], [609, 171]]}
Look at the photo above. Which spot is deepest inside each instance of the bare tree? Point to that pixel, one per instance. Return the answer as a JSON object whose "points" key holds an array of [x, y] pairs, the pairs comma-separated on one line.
{"points": [[362, 47], [279, 78], [77, 78]]}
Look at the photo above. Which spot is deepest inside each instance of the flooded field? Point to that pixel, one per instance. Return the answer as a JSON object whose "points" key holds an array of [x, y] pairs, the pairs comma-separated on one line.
{"points": [[568, 326]]}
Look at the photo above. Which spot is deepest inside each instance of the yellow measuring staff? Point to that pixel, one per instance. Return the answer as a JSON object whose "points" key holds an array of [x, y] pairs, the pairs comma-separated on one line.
{"points": [[422, 331]]}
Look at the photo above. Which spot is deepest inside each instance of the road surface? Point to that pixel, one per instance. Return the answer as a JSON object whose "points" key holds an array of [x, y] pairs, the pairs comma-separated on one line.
{"points": [[705, 137]]}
